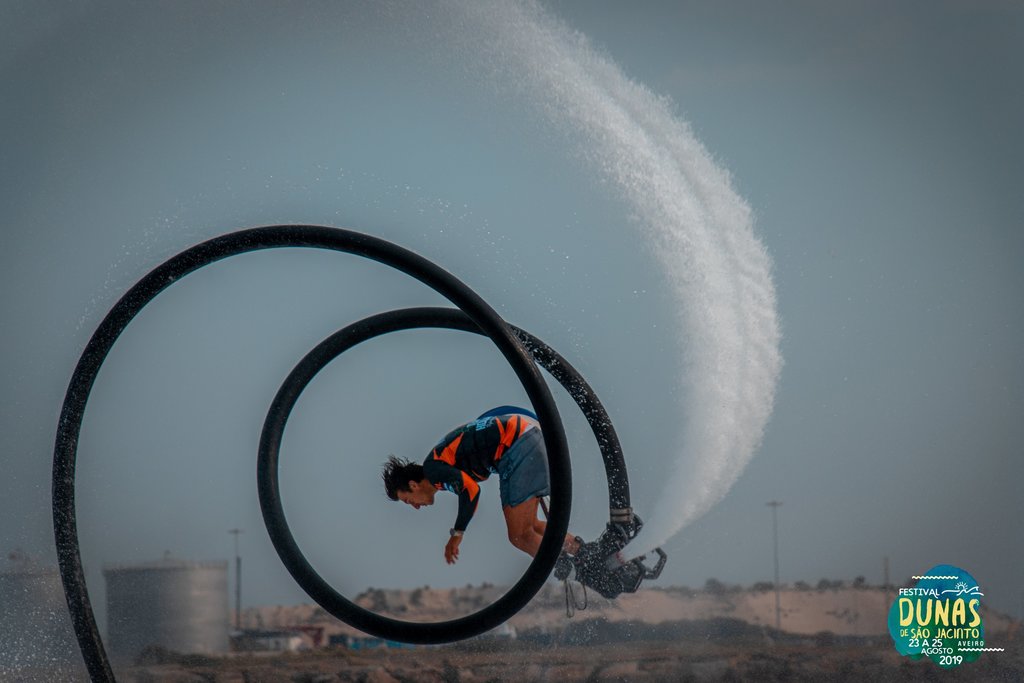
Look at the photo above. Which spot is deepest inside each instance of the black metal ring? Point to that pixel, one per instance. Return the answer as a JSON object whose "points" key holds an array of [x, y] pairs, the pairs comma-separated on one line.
{"points": [[300, 377], [319, 237]]}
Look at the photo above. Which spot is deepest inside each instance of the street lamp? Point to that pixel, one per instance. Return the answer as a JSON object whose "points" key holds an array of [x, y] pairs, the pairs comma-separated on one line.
{"points": [[774, 505], [238, 581]]}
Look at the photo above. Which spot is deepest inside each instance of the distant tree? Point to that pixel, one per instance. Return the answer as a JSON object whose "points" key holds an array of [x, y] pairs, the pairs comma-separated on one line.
{"points": [[763, 586], [802, 586], [378, 600], [860, 582], [715, 587]]}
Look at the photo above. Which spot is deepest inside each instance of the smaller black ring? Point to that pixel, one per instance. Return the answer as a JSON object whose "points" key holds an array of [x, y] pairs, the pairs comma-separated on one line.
{"points": [[300, 377]]}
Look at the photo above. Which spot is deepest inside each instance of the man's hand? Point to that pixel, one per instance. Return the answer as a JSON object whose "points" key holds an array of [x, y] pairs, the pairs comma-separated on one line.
{"points": [[451, 551]]}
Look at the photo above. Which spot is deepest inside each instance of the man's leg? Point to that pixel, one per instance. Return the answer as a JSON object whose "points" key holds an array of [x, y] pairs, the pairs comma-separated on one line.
{"points": [[520, 520], [571, 545], [525, 531]]}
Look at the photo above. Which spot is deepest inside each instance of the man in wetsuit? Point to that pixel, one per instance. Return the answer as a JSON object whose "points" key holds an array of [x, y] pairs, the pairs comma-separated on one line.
{"points": [[505, 440]]}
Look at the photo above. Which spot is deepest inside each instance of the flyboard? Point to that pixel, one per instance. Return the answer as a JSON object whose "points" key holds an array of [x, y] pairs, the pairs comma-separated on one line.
{"points": [[598, 564]]}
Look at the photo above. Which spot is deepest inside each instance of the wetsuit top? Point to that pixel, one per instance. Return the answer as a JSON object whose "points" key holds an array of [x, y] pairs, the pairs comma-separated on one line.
{"points": [[468, 454]]}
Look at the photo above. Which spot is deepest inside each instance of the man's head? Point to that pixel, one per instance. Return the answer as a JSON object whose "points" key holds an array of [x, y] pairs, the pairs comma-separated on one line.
{"points": [[404, 480]]}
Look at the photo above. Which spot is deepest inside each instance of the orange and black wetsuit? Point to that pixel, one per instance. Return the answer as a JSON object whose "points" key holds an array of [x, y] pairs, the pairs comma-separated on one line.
{"points": [[469, 454]]}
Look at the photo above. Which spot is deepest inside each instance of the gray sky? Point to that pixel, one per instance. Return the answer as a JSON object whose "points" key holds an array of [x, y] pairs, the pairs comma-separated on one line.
{"points": [[878, 147]]}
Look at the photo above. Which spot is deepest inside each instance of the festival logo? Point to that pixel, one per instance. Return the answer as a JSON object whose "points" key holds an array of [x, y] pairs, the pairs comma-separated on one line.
{"points": [[939, 618]]}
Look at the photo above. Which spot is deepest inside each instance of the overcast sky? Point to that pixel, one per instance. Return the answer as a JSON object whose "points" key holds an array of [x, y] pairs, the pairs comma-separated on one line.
{"points": [[878, 147]]}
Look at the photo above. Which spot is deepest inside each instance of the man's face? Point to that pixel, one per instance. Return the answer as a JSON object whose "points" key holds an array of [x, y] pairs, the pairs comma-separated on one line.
{"points": [[419, 493]]}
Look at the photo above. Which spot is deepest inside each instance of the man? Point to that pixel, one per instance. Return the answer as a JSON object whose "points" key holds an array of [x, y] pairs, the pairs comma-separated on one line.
{"points": [[505, 440]]}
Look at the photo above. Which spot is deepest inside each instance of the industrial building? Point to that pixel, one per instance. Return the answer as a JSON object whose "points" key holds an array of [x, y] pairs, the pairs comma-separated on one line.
{"points": [[171, 604]]}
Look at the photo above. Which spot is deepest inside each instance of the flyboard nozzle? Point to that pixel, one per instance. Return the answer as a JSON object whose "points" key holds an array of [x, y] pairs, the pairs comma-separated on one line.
{"points": [[601, 565]]}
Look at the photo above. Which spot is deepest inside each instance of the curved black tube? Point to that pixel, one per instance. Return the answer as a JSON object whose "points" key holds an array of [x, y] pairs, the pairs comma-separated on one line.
{"points": [[273, 433], [318, 237]]}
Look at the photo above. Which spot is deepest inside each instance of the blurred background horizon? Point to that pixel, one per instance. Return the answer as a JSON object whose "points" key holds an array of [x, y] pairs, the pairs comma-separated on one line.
{"points": [[878, 150]]}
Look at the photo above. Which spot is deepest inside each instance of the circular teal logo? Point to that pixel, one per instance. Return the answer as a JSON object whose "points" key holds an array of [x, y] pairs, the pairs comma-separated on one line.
{"points": [[939, 618]]}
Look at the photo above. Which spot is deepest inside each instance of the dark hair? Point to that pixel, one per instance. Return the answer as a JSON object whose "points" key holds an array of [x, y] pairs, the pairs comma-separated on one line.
{"points": [[398, 473]]}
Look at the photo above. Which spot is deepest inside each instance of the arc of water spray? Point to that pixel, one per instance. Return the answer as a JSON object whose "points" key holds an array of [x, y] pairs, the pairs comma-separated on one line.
{"points": [[700, 229]]}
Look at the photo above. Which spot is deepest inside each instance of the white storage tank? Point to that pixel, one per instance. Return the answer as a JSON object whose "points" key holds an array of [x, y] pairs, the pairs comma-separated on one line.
{"points": [[171, 604]]}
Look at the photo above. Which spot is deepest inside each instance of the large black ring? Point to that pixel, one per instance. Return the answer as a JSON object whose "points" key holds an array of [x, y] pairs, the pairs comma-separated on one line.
{"points": [[72, 413], [284, 402]]}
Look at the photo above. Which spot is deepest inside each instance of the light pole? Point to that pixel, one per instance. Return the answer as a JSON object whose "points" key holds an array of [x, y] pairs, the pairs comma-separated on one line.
{"points": [[238, 581], [774, 505]]}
